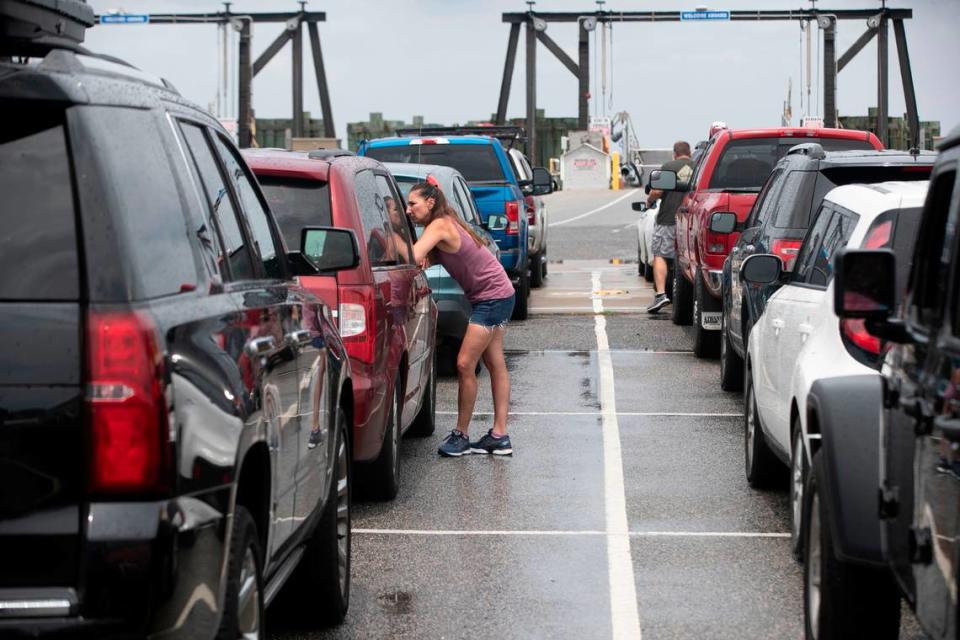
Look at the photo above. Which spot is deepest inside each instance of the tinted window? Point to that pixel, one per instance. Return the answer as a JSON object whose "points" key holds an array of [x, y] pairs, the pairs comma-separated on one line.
{"points": [[143, 198], [397, 227], [745, 164], [372, 213], [760, 212], [296, 204], [220, 203], [477, 162], [257, 215], [469, 210], [38, 246], [826, 239], [842, 144], [793, 208], [926, 278], [897, 230]]}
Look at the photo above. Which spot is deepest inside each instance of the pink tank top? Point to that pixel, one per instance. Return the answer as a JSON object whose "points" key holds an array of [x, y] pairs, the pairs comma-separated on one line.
{"points": [[476, 270]]}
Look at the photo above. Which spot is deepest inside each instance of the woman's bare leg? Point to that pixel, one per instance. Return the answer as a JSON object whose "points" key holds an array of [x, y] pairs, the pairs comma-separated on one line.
{"points": [[494, 361], [474, 343]]}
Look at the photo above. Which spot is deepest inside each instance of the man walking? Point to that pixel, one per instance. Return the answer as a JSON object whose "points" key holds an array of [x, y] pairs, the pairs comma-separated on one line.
{"points": [[664, 231]]}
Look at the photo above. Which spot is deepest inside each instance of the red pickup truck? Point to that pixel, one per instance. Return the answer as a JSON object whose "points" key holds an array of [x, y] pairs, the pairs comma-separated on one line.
{"points": [[728, 176]]}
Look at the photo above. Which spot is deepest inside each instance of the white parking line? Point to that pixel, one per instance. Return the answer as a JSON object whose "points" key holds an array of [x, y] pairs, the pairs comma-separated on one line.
{"points": [[587, 532], [641, 352], [624, 613], [598, 209], [655, 414]]}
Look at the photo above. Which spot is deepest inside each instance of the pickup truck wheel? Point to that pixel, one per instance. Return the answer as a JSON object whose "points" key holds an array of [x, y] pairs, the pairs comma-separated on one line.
{"points": [[760, 463], [731, 365], [522, 292], [641, 265], [841, 599], [682, 311], [385, 471], [243, 605], [799, 470], [426, 421], [706, 343], [536, 270], [324, 593]]}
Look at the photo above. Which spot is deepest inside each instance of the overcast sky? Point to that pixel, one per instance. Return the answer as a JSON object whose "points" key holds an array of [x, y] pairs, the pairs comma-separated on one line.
{"points": [[443, 59]]}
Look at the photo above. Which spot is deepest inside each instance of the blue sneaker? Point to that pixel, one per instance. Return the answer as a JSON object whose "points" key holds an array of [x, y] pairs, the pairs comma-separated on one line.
{"points": [[454, 445], [489, 444]]}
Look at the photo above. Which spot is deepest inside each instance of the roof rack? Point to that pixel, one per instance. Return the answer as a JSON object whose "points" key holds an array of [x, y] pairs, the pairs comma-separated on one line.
{"points": [[812, 150], [504, 133], [38, 26]]}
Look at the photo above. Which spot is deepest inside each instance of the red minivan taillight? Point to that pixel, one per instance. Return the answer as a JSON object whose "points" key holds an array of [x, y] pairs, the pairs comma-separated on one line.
{"points": [[357, 323], [512, 210], [126, 405]]}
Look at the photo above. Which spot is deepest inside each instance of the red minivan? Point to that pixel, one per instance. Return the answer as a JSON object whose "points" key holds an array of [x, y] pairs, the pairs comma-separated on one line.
{"points": [[385, 313]]}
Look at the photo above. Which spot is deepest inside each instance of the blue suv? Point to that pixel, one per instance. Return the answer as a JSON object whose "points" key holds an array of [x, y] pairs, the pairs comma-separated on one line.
{"points": [[485, 164]]}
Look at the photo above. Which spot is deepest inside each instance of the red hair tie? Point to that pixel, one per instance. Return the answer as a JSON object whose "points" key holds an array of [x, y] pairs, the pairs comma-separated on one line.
{"points": [[433, 181]]}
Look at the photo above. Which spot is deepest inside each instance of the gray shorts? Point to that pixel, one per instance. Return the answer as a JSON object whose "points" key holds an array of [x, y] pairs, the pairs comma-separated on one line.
{"points": [[664, 236]]}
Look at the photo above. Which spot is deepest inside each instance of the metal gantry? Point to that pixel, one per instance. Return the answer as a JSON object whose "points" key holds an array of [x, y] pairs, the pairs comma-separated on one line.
{"points": [[877, 23], [243, 23]]}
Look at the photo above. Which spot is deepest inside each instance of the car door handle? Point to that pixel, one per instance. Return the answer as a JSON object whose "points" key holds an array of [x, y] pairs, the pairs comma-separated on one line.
{"points": [[805, 329], [777, 326], [300, 337], [261, 345]]}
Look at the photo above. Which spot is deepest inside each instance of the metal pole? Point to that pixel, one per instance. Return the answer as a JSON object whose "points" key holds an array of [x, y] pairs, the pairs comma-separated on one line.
{"points": [[298, 81], [245, 86], [532, 93], [583, 51], [882, 88], [906, 75], [830, 74], [501, 117], [321, 74]]}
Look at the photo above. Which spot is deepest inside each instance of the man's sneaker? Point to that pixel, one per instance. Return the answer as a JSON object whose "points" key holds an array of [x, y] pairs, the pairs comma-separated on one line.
{"points": [[454, 445], [314, 439], [659, 302], [489, 444]]}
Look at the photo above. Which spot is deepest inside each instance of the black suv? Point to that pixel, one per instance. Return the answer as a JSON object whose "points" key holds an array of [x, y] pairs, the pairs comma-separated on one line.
{"points": [[174, 409], [778, 222], [883, 512]]}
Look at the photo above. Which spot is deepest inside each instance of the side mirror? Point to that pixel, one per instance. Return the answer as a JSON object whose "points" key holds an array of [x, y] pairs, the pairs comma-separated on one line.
{"points": [[865, 283], [723, 222], [496, 223], [666, 180], [542, 182], [639, 206], [762, 268], [329, 248]]}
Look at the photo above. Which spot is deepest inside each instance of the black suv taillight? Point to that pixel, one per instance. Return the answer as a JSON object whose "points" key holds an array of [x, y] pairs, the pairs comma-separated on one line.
{"points": [[126, 405]]}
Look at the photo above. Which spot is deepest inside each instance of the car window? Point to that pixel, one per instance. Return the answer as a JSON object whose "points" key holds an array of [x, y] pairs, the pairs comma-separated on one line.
{"points": [[457, 202], [38, 246], [926, 279], [745, 164], [812, 244], [766, 200], [897, 230], [372, 213], [297, 203], [258, 216], [470, 207], [477, 162], [835, 236], [396, 218], [793, 204], [701, 162], [220, 203]]}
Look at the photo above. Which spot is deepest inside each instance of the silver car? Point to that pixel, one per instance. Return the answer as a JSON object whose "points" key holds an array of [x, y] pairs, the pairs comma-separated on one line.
{"points": [[536, 216]]}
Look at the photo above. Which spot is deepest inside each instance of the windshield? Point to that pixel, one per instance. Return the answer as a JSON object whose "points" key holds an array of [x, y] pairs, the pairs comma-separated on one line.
{"points": [[297, 204], [477, 162]]}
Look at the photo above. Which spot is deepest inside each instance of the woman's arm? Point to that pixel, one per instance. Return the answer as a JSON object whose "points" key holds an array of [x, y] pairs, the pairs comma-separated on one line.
{"points": [[435, 233]]}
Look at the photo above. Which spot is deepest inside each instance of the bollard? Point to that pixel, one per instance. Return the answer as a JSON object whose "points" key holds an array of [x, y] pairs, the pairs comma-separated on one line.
{"points": [[615, 171]]}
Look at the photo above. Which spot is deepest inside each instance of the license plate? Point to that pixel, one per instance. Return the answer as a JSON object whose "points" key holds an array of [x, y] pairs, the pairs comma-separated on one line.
{"points": [[711, 320]]}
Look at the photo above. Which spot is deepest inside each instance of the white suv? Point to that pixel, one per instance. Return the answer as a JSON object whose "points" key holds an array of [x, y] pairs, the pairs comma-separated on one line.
{"points": [[798, 339]]}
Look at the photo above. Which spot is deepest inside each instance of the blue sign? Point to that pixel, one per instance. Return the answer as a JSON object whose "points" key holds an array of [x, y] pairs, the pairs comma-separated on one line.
{"points": [[125, 18], [704, 15]]}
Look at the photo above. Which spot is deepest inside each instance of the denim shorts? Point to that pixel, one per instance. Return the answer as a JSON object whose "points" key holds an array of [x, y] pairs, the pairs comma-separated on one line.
{"points": [[492, 313]]}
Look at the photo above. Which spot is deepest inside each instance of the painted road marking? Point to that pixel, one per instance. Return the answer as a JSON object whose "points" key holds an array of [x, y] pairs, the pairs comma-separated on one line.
{"points": [[597, 210], [624, 614], [586, 532], [631, 414]]}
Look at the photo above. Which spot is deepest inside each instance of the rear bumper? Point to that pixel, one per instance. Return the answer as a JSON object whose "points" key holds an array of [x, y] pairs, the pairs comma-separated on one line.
{"points": [[149, 568]]}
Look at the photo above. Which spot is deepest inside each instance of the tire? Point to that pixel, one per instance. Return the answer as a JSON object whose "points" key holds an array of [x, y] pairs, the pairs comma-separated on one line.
{"points": [[445, 355], [682, 313], [385, 471], [648, 275], [841, 599], [426, 421], [536, 271], [522, 290], [731, 365], [706, 344], [244, 576], [324, 592], [799, 470], [760, 464]]}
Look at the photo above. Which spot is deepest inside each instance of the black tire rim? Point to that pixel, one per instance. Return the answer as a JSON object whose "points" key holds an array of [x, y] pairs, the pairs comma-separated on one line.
{"points": [[796, 485], [395, 435], [343, 513], [248, 597], [813, 567]]}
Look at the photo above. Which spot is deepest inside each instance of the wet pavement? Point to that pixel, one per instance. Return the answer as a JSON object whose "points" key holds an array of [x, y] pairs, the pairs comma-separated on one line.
{"points": [[624, 510]]}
